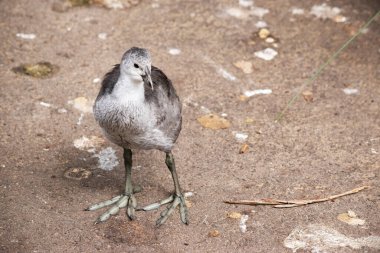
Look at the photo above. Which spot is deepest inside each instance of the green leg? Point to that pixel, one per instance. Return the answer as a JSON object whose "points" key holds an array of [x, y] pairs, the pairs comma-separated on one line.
{"points": [[174, 200], [127, 199]]}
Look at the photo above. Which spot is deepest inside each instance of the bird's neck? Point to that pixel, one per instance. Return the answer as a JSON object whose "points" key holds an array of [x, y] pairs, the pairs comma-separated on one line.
{"points": [[129, 88]]}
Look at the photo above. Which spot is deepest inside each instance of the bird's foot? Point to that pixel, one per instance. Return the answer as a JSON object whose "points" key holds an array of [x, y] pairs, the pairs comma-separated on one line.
{"points": [[118, 202], [173, 201]]}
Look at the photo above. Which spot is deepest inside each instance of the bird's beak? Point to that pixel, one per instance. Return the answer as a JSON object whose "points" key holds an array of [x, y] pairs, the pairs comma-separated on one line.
{"points": [[147, 76]]}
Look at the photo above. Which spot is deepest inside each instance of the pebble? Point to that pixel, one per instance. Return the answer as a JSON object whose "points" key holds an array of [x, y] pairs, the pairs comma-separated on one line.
{"points": [[250, 93], [269, 40], [102, 36], [174, 51], [261, 24], [308, 96], [96, 80], [241, 137], [26, 36], [266, 54], [350, 91]]}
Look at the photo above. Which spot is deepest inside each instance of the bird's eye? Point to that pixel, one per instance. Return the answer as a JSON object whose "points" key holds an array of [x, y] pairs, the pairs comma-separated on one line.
{"points": [[136, 66]]}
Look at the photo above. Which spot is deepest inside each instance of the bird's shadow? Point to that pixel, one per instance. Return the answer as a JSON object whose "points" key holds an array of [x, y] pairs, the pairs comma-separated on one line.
{"points": [[147, 173]]}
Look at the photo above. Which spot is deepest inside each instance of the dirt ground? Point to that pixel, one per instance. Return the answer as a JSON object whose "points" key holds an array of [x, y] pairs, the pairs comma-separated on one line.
{"points": [[318, 149]]}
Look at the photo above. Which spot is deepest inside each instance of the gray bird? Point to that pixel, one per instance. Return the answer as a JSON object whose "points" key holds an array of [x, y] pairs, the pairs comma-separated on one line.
{"points": [[138, 108]]}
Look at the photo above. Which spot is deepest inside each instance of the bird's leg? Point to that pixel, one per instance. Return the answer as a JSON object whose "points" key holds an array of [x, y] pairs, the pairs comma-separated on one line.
{"points": [[127, 199], [174, 200]]}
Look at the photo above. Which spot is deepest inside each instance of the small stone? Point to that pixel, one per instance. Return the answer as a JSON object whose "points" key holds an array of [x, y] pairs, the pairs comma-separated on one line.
{"points": [[250, 93], [267, 54], [45, 104], [264, 33], [241, 137], [102, 36], [340, 19], [234, 215], [350, 91], [244, 148], [351, 214], [269, 40], [26, 36], [308, 96], [174, 51], [96, 80], [188, 194], [213, 233]]}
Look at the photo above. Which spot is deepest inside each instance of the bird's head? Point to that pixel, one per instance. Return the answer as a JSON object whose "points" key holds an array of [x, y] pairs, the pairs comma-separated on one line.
{"points": [[136, 63]]}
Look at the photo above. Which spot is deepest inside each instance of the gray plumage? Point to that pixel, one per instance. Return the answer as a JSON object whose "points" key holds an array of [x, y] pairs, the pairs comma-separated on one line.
{"points": [[152, 123], [138, 108]]}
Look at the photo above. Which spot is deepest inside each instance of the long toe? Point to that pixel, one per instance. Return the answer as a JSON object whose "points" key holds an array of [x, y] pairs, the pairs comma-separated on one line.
{"points": [[116, 204], [177, 200]]}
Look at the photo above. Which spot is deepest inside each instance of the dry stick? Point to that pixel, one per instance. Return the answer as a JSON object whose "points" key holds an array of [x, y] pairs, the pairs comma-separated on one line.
{"points": [[293, 203], [324, 65]]}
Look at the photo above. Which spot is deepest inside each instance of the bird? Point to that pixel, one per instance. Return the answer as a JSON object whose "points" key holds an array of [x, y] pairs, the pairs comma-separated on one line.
{"points": [[138, 108]]}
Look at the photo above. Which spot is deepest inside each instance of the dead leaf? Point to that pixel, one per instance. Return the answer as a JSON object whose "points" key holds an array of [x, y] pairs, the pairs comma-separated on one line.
{"points": [[234, 215], [245, 66], [38, 70], [243, 98], [213, 121], [264, 33], [244, 148], [308, 96], [350, 218], [248, 120], [213, 233], [77, 173], [340, 19], [85, 143]]}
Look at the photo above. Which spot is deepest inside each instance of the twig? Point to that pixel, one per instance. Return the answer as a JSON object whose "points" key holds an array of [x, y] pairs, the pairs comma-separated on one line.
{"points": [[293, 203]]}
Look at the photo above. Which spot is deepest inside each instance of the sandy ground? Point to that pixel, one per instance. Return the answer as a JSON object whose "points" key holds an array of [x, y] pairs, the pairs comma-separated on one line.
{"points": [[320, 148]]}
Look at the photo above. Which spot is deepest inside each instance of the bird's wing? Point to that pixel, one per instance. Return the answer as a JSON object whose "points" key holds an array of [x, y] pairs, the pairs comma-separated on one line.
{"points": [[109, 80]]}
